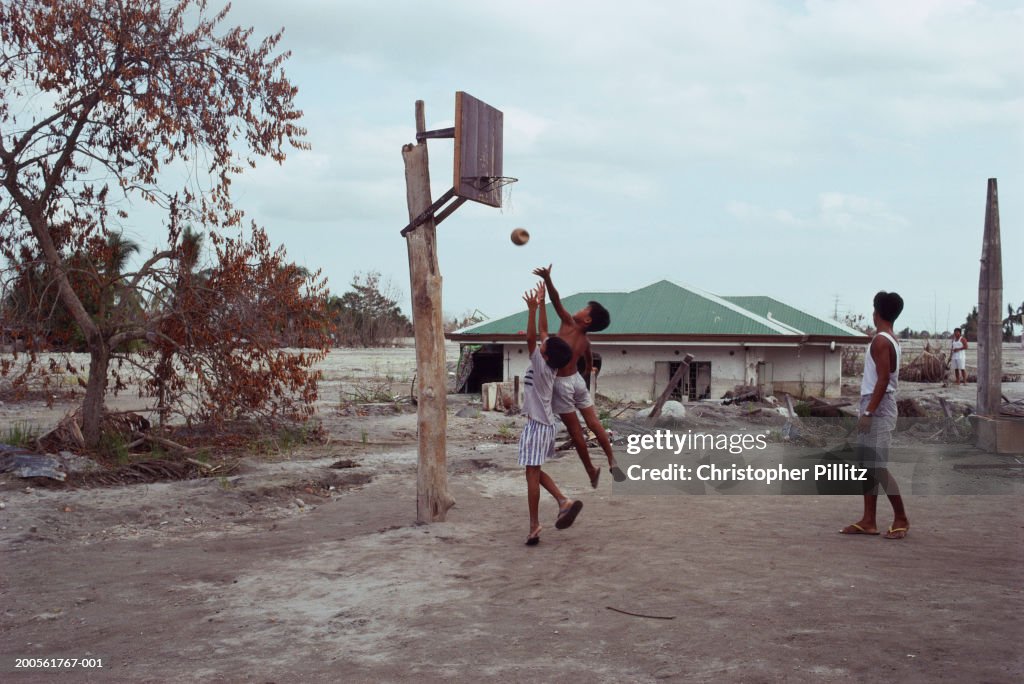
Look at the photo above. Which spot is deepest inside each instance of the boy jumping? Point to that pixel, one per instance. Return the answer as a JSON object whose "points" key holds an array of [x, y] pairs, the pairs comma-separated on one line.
{"points": [[537, 443], [570, 389]]}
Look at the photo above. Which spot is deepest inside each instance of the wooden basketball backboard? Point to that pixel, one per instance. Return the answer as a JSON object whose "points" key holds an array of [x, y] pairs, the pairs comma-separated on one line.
{"points": [[478, 143]]}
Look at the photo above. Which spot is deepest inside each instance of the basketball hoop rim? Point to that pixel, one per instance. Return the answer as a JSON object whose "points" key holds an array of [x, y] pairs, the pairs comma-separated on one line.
{"points": [[489, 183]]}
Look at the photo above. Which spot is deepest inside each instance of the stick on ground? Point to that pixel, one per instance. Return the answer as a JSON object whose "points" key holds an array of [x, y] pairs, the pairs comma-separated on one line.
{"points": [[653, 617]]}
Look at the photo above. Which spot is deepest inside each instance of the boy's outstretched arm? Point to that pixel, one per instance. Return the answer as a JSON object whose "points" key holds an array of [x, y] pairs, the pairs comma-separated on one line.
{"points": [[556, 301], [542, 312], [530, 297]]}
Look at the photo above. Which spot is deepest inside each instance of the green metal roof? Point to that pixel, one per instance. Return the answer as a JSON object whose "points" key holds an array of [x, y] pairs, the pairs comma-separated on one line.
{"points": [[807, 323], [665, 308]]}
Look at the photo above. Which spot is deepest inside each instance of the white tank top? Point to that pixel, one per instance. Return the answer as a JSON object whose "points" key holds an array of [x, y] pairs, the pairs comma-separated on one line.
{"points": [[867, 385]]}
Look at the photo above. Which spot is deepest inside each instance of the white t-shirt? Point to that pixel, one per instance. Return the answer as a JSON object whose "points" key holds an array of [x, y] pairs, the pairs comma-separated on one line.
{"points": [[539, 384]]}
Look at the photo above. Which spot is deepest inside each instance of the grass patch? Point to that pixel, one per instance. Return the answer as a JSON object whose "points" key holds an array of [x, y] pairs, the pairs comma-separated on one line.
{"points": [[114, 449], [507, 431], [22, 434], [287, 438]]}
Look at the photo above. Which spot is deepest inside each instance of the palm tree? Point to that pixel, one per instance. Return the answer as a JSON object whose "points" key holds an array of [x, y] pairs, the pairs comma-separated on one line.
{"points": [[170, 298]]}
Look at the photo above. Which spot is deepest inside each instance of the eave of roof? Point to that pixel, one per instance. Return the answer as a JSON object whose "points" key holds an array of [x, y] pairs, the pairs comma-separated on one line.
{"points": [[642, 338], [668, 312]]}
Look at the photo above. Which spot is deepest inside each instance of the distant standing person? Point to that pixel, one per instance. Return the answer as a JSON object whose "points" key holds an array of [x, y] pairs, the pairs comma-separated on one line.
{"points": [[958, 356], [878, 419]]}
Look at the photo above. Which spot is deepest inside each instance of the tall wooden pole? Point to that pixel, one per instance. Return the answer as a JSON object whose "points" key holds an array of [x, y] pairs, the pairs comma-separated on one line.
{"points": [[432, 498], [990, 311]]}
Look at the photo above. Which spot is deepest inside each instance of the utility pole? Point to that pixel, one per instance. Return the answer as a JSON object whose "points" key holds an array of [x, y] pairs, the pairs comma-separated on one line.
{"points": [[990, 311]]}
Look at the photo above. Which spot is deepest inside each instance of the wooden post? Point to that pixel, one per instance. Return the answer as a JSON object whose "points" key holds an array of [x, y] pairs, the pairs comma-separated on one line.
{"points": [[677, 377], [789, 407], [432, 498], [990, 311]]}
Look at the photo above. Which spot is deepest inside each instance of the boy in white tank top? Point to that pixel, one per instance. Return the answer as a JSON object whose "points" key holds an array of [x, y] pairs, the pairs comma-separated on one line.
{"points": [[878, 419]]}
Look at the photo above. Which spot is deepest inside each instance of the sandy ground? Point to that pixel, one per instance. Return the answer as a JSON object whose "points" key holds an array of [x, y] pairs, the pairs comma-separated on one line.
{"points": [[269, 575]]}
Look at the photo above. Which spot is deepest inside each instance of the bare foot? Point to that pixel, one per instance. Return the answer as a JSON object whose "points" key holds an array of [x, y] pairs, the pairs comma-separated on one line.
{"points": [[859, 528], [534, 537], [594, 477]]}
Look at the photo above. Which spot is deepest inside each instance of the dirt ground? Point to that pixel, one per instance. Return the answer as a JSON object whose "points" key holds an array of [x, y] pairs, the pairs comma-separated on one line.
{"points": [[289, 570]]}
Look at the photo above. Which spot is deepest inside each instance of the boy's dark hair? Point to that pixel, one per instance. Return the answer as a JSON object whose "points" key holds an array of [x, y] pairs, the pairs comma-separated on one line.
{"points": [[558, 352], [889, 305], [599, 317], [957, 330]]}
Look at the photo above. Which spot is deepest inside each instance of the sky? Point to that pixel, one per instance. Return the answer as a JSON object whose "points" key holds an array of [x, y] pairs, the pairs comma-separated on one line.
{"points": [[815, 152]]}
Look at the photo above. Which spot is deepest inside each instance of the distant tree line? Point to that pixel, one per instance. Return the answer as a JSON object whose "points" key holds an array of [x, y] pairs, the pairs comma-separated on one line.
{"points": [[1014, 320], [368, 315]]}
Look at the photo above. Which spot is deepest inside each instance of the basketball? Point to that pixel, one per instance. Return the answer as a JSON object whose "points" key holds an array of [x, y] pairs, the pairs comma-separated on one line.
{"points": [[520, 236]]}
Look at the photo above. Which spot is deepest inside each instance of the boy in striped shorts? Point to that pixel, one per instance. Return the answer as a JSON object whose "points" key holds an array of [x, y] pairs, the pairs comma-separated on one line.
{"points": [[537, 443]]}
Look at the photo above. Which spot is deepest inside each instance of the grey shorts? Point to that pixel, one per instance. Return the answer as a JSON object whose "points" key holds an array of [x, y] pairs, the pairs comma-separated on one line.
{"points": [[570, 394], [873, 445]]}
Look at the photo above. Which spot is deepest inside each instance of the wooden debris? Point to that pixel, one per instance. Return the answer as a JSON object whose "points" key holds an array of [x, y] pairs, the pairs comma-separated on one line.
{"points": [[818, 408], [344, 463], [908, 408], [927, 367], [1012, 410], [741, 393], [164, 442], [677, 377], [151, 471], [949, 425], [789, 407]]}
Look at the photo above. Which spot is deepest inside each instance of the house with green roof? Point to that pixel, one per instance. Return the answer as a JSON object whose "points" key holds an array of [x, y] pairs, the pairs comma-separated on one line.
{"points": [[742, 340]]}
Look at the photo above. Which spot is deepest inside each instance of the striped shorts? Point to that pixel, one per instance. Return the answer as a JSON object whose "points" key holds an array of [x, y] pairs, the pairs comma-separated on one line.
{"points": [[536, 444]]}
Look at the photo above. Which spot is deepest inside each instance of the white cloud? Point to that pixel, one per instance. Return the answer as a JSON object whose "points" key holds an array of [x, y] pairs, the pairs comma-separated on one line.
{"points": [[836, 212], [662, 129]]}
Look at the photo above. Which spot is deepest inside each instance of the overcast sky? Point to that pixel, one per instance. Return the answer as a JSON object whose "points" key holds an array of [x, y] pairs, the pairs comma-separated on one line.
{"points": [[814, 152]]}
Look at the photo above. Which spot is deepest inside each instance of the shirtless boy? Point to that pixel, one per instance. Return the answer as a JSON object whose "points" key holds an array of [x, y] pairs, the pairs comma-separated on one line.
{"points": [[571, 392]]}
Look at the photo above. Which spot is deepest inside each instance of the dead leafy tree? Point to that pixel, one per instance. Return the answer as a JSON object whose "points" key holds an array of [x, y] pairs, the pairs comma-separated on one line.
{"points": [[208, 361], [107, 102], [852, 355]]}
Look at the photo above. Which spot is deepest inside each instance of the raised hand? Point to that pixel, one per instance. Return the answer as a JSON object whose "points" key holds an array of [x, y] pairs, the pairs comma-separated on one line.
{"points": [[543, 272], [530, 297], [541, 291]]}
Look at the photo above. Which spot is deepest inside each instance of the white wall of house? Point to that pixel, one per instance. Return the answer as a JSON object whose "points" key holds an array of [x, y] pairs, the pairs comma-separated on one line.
{"points": [[638, 372], [806, 370]]}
